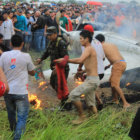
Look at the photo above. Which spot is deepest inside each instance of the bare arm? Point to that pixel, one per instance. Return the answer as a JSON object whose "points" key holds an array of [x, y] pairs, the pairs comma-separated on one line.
{"points": [[80, 67], [81, 60], [4, 80]]}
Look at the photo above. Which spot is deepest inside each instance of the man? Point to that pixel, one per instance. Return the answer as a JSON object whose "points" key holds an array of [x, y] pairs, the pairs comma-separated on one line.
{"points": [[47, 18], [53, 21], [7, 30], [89, 59], [57, 48], [1, 20], [16, 66], [21, 23], [100, 58], [63, 21], [119, 65], [3, 48], [28, 38], [39, 38]]}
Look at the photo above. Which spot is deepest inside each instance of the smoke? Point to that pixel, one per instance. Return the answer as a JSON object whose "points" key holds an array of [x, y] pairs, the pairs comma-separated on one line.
{"points": [[121, 18]]}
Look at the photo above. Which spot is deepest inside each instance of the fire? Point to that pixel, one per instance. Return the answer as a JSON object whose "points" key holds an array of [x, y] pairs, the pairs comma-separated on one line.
{"points": [[43, 89], [78, 81], [83, 95], [42, 84], [128, 84], [33, 99]]}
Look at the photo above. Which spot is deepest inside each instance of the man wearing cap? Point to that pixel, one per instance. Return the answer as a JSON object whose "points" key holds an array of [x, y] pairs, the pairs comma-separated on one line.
{"points": [[21, 23], [100, 57], [57, 48]]}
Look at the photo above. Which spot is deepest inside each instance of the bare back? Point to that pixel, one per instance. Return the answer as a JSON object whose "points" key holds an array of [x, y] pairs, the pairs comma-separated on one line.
{"points": [[112, 53], [90, 62]]}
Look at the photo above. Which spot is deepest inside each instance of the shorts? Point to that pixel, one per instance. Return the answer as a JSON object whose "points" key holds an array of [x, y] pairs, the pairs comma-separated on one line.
{"points": [[116, 73], [88, 89]]}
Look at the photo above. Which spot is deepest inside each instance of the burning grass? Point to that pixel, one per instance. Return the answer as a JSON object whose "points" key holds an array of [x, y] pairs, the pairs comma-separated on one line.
{"points": [[111, 124]]}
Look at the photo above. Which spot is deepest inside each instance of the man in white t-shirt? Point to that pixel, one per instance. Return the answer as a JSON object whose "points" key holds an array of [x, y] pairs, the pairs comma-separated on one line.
{"points": [[7, 30], [100, 58], [16, 66]]}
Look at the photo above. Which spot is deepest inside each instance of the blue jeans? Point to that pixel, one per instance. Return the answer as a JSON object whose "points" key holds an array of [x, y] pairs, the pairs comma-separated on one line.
{"points": [[39, 40], [17, 104]]}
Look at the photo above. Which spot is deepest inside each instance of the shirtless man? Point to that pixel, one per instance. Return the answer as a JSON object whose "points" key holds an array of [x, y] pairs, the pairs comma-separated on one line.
{"points": [[89, 59], [119, 65]]}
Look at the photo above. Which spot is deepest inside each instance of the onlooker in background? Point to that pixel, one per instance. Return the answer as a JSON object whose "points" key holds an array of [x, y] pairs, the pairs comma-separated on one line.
{"points": [[10, 15], [16, 66], [3, 48], [1, 20], [39, 38], [28, 38], [63, 21], [21, 23], [7, 30], [53, 21]]}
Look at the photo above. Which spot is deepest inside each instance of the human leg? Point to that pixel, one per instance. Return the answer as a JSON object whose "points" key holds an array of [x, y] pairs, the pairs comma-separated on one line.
{"points": [[117, 71], [11, 110], [22, 105]]}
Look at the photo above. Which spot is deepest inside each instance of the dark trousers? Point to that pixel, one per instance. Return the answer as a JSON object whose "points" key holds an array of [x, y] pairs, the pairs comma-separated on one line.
{"points": [[135, 129], [7, 44], [17, 105]]}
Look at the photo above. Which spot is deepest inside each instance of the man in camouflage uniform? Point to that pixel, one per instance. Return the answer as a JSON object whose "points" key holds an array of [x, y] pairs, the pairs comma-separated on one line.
{"points": [[57, 48]]}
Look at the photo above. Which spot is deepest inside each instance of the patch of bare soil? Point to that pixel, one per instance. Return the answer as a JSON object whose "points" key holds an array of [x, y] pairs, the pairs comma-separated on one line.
{"points": [[49, 98]]}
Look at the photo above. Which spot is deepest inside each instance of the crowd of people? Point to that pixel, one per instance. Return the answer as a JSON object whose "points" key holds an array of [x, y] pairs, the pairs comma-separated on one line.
{"points": [[23, 28], [31, 21]]}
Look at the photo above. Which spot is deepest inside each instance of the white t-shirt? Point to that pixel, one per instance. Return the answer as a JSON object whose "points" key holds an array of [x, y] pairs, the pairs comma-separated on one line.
{"points": [[100, 54], [7, 29], [16, 65]]}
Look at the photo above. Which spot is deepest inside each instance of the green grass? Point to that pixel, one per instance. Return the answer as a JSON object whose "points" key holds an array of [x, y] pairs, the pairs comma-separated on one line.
{"points": [[111, 124]]}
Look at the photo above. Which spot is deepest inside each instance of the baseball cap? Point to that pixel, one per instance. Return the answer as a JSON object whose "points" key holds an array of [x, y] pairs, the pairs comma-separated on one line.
{"points": [[2, 88], [51, 30], [89, 28]]}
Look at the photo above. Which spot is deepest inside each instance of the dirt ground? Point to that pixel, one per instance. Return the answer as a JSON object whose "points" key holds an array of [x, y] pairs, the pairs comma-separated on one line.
{"points": [[49, 98]]}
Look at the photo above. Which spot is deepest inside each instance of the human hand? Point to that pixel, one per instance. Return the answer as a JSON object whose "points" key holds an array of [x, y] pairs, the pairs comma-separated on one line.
{"points": [[59, 60], [38, 61]]}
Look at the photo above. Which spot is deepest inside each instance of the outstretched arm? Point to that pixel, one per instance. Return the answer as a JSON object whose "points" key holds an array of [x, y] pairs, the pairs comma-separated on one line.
{"points": [[83, 57]]}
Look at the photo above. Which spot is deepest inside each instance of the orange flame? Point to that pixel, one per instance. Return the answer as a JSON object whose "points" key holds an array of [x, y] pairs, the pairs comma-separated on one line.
{"points": [[78, 81], [41, 84], [82, 96], [34, 99], [43, 89], [128, 84]]}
